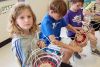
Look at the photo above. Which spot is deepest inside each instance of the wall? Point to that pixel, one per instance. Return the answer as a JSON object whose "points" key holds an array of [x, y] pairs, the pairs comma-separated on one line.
{"points": [[4, 12]]}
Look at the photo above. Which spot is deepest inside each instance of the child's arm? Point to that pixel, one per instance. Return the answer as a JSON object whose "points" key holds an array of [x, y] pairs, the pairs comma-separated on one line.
{"points": [[70, 27], [17, 50], [63, 45], [78, 28], [40, 43]]}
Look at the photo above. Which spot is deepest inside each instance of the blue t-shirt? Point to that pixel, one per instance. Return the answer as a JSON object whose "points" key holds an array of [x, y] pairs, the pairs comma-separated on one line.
{"points": [[49, 26], [70, 18]]}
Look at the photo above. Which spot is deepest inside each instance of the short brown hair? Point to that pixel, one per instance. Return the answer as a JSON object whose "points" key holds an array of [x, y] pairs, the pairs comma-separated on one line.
{"points": [[75, 1], [58, 6]]}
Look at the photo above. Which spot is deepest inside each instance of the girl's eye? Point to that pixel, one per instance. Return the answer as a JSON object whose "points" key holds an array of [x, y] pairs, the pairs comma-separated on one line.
{"points": [[29, 16], [22, 17]]}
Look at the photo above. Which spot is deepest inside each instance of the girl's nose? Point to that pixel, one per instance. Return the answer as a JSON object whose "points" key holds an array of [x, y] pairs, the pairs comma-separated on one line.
{"points": [[26, 19]]}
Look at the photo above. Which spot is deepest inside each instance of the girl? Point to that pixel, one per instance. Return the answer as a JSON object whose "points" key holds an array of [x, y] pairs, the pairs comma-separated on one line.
{"points": [[23, 30]]}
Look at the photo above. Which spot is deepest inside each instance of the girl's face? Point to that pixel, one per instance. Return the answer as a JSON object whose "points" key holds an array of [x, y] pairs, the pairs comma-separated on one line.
{"points": [[77, 5], [25, 20]]}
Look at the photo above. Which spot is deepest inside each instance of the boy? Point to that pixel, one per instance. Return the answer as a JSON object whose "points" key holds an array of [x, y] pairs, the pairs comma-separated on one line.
{"points": [[74, 16], [50, 31]]}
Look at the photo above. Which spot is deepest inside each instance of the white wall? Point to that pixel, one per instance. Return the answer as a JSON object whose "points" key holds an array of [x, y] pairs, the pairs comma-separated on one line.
{"points": [[4, 19], [39, 7]]}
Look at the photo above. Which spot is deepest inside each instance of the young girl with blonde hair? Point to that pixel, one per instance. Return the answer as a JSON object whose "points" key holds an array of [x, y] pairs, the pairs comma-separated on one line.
{"points": [[23, 30]]}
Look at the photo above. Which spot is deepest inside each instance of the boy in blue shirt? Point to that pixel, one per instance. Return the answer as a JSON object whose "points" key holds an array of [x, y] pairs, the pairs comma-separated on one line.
{"points": [[50, 31]]}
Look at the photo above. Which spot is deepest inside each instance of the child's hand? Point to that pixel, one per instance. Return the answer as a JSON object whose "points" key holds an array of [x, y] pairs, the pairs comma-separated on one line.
{"points": [[82, 31], [41, 44], [78, 32], [75, 47]]}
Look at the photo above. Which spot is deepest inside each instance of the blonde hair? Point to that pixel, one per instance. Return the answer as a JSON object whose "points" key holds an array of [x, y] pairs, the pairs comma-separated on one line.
{"points": [[15, 12]]}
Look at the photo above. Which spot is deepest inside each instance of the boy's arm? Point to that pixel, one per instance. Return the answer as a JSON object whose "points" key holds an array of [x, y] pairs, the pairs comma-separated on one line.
{"points": [[78, 28], [56, 42], [63, 45], [70, 27]]}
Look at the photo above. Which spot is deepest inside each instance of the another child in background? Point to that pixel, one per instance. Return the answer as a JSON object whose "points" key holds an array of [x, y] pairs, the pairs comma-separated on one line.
{"points": [[23, 30], [50, 31], [93, 9], [74, 17]]}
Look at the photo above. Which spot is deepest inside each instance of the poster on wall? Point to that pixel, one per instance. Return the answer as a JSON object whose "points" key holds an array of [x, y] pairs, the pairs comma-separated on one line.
{"points": [[5, 5]]}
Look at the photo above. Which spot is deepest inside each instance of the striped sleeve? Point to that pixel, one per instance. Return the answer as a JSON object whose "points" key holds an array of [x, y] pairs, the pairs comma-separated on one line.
{"points": [[16, 47]]}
